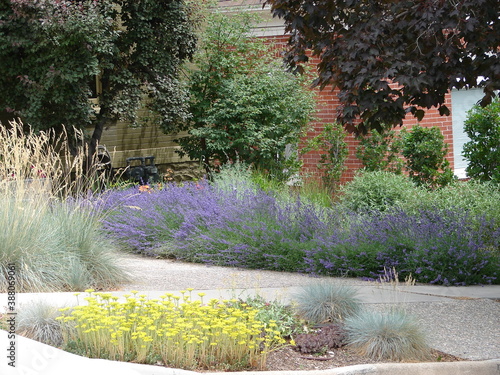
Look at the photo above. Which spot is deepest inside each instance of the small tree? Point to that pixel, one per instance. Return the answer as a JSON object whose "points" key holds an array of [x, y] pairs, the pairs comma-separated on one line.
{"points": [[389, 58], [483, 150], [380, 151], [331, 142], [425, 150], [244, 105]]}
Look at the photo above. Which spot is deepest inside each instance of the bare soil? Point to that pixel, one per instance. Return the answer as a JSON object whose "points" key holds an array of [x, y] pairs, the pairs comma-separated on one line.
{"points": [[288, 359]]}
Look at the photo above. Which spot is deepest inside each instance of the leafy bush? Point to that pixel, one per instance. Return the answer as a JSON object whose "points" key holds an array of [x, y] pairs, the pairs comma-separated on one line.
{"points": [[391, 336], [483, 128], [274, 312], [324, 302], [425, 151], [380, 151], [479, 200], [179, 331], [377, 191], [333, 147]]}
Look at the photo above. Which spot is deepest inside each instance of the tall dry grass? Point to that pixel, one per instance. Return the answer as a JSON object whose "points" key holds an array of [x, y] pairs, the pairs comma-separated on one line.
{"points": [[49, 233]]}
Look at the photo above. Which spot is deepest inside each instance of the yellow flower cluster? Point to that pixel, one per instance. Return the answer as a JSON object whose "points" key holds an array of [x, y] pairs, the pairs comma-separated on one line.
{"points": [[177, 330]]}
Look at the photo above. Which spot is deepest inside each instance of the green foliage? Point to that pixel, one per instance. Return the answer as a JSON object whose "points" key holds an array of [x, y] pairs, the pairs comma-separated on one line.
{"points": [[425, 151], [59, 44], [314, 192], [233, 176], [326, 302], [37, 321], [483, 151], [389, 58], [480, 200], [63, 45], [287, 323], [380, 151], [378, 191], [266, 182], [391, 336], [331, 142], [244, 105]]}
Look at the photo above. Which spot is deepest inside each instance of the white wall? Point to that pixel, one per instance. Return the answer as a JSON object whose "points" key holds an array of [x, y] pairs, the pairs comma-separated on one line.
{"points": [[461, 102]]}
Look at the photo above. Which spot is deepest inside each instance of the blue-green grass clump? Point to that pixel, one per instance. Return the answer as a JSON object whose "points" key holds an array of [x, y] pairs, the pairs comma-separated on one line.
{"points": [[388, 336], [326, 302]]}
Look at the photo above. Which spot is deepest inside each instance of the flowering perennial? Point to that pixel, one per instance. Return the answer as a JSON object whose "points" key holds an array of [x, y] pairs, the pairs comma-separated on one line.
{"points": [[176, 330], [250, 228]]}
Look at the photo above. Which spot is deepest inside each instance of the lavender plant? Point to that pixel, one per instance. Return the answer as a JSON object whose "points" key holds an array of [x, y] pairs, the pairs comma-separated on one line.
{"points": [[435, 246], [244, 226]]}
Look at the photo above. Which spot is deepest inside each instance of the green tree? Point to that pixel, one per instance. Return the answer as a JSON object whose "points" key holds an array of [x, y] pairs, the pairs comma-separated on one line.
{"points": [[244, 105], [425, 151], [389, 58], [380, 151], [483, 150], [334, 151], [51, 52]]}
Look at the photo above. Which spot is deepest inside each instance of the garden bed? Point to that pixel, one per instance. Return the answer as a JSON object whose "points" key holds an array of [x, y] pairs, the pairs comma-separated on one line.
{"points": [[287, 359]]}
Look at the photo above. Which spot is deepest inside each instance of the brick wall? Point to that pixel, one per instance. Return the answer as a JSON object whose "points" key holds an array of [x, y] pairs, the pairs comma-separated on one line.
{"points": [[327, 112]]}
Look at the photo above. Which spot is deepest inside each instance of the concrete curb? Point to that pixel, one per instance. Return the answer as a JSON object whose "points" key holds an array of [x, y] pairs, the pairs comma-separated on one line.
{"points": [[488, 367], [34, 358]]}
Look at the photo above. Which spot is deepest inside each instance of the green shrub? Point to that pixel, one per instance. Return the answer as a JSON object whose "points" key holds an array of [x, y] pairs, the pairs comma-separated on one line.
{"points": [[377, 191], [478, 199], [241, 101], [380, 151], [233, 176], [482, 151], [425, 151], [393, 336], [288, 324], [333, 147], [326, 302]]}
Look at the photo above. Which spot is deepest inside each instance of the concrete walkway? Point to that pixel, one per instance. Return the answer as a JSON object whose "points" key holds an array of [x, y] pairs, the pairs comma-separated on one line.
{"points": [[439, 303]]}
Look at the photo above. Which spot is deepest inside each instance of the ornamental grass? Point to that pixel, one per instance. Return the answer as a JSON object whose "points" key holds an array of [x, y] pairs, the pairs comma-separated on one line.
{"points": [[53, 239], [176, 330]]}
